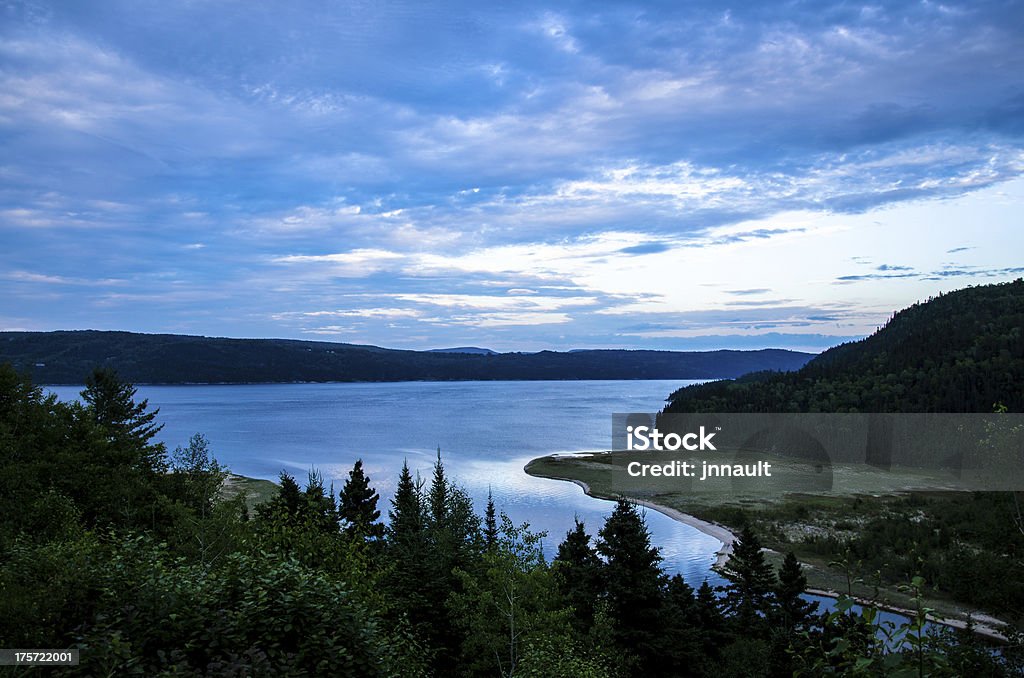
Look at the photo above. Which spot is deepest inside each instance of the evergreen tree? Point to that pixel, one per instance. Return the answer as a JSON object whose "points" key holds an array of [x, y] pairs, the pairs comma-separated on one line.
{"points": [[633, 584], [405, 518], [128, 425], [119, 446], [792, 611], [407, 551], [437, 497], [319, 510], [577, 571], [358, 505], [681, 643], [490, 522], [285, 506], [751, 580], [714, 632]]}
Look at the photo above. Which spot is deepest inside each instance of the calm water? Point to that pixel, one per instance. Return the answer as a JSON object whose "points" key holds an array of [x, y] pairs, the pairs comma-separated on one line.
{"points": [[487, 431]]}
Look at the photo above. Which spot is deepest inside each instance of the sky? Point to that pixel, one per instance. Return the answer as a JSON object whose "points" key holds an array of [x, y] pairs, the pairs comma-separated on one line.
{"points": [[516, 176]]}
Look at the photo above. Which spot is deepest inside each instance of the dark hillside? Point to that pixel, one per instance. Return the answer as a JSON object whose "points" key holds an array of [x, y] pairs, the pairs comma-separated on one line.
{"points": [[67, 357], [958, 352]]}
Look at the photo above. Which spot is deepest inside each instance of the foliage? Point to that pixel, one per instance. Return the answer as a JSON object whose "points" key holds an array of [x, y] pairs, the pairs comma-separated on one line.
{"points": [[577, 573], [357, 506], [749, 596], [507, 604], [959, 352], [63, 357], [155, 574], [632, 581]]}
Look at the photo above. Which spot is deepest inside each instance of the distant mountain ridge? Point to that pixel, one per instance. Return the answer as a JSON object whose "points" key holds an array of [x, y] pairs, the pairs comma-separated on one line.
{"points": [[66, 357], [464, 349], [959, 352]]}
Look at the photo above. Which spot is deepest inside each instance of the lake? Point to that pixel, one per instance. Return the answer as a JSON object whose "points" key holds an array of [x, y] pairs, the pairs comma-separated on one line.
{"points": [[487, 432]]}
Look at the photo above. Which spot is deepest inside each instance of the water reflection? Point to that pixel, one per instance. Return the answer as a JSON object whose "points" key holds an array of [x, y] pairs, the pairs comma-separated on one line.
{"points": [[487, 431]]}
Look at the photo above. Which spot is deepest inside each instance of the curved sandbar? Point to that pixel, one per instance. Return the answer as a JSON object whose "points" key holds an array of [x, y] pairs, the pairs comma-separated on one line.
{"points": [[715, 530], [984, 625]]}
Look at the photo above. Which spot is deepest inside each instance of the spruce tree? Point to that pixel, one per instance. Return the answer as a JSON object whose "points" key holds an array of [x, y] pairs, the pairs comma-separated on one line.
{"points": [[319, 509], [680, 639], [437, 496], [792, 611], [490, 522], [577, 571], [633, 584], [405, 518], [751, 580], [358, 505], [454, 542], [408, 579], [714, 634], [283, 507]]}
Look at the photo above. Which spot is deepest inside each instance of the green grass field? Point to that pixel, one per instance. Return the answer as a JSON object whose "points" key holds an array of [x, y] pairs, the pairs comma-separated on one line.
{"points": [[256, 490]]}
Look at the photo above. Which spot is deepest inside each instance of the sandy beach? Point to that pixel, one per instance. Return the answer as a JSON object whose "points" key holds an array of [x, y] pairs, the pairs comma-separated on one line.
{"points": [[984, 625], [715, 530]]}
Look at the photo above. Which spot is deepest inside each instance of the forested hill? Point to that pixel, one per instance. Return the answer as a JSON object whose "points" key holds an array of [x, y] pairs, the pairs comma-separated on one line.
{"points": [[67, 357], [959, 352]]}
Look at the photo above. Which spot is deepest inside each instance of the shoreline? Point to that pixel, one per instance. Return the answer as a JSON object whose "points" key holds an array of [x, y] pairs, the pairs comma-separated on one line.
{"points": [[719, 532], [984, 625]]}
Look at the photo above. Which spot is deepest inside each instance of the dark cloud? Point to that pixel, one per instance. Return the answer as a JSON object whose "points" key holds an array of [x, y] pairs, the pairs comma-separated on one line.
{"points": [[872, 276], [646, 248]]}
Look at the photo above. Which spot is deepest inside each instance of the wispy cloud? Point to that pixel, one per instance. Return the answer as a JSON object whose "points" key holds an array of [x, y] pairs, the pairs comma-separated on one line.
{"points": [[419, 179]]}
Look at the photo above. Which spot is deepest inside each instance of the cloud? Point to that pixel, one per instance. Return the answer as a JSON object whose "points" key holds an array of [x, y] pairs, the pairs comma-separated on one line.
{"points": [[651, 160], [646, 248]]}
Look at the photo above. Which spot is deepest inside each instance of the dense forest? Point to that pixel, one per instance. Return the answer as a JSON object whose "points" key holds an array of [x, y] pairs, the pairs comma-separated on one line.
{"points": [[112, 545], [66, 357], [958, 352]]}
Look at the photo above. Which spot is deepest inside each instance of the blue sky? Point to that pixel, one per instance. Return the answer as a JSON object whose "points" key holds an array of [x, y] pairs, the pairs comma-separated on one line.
{"points": [[584, 175]]}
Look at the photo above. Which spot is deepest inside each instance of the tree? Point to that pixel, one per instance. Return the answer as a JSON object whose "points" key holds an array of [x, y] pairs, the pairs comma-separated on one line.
{"points": [[358, 506], [505, 603], [792, 611], [121, 446], [285, 505], [407, 553], [714, 634], [751, 580], [127, 424], [320, 509], [437, 496], [453, 542], [490, 522], [405, 518], [199, 477], [633, 584], [577, 571]]}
